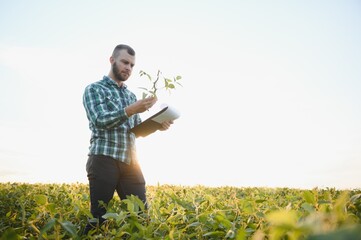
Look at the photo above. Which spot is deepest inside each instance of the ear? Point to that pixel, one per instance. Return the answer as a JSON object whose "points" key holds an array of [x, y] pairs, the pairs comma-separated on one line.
{"points": [[111, 60]]}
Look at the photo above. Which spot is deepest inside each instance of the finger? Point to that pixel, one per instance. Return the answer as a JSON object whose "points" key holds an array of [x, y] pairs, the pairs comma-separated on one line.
{"points": [[151, 98], [153, 101], [147, 103]]}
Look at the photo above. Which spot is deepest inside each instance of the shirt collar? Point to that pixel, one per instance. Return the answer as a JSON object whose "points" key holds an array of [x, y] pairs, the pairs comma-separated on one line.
{"points": [[110, 81]]}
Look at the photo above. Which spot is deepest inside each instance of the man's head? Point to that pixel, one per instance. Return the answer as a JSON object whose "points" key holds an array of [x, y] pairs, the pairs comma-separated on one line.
{"points": [[122, 63]]}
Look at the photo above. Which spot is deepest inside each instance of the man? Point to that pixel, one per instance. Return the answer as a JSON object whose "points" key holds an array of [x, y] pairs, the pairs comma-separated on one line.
{"points": [[112, 110]]}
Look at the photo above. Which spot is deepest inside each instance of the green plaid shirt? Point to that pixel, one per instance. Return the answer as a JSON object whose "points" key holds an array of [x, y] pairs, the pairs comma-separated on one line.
{"points": [[104, 102]]}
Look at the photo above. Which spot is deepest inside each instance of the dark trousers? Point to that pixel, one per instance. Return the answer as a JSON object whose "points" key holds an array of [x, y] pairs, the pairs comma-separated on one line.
{"points": [[107, 175]]}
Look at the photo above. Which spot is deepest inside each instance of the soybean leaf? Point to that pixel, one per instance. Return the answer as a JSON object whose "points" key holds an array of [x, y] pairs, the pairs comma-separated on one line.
{"points": [[49, 225], [69, 228]]}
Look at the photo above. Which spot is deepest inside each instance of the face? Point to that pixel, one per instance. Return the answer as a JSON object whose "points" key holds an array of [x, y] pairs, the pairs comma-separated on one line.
{"points": [[122, 65]]}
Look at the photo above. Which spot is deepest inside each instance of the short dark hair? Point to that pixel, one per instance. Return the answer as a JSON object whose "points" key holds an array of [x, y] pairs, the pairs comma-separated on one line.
{"points": [[119, 47]]}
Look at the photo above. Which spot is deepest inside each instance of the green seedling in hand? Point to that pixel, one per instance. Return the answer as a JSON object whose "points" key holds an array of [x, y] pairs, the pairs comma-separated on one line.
{"points": [[168, 84]]}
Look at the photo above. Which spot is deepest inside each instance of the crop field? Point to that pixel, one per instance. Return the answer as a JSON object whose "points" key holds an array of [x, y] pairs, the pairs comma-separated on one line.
{"points": [[61, 211]]}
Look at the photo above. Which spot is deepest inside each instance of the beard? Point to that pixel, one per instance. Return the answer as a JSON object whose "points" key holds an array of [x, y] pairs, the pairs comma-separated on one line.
{"points": [[117, 74]]}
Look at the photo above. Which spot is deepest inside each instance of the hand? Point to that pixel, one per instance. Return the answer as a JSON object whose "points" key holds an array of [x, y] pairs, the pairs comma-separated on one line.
{"points": [[140, 106], [166, 125], [148, 102]]}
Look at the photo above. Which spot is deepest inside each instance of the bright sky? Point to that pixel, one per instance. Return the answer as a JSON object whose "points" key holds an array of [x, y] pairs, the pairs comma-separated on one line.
{"points": [[271, 96]]}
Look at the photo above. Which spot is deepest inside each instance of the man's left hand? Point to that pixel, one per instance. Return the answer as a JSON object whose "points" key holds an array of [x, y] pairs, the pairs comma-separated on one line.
{"points": [[166, 125]]}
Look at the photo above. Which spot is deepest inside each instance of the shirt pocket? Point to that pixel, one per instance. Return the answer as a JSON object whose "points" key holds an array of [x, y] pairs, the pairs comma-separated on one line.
{"points": [[113, 103]]}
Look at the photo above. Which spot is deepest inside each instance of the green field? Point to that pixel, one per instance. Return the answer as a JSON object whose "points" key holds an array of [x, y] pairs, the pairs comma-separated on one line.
{"points": [[61, 211]]}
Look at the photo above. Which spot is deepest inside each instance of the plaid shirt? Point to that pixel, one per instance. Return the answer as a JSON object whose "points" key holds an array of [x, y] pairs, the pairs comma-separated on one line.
{"points": [[104, 102]]}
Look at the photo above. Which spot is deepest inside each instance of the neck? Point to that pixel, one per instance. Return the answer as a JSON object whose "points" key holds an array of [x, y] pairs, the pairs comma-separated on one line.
{"points": [[118, 82]]}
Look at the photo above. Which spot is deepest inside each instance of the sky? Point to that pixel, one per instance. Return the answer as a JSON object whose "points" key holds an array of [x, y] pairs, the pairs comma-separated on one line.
{"points": [[271, 92]]}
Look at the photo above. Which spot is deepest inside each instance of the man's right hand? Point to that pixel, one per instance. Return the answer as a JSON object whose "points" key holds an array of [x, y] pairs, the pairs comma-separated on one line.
{"points": [[140, 106]]}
